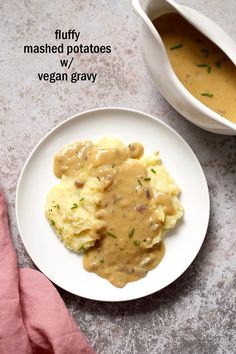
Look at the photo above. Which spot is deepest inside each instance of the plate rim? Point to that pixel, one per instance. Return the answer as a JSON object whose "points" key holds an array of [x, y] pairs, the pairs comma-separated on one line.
{"points": [[78, 116]]}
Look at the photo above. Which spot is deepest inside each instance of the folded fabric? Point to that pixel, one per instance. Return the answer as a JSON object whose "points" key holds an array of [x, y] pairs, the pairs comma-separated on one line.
{"points": [[33, 317]]}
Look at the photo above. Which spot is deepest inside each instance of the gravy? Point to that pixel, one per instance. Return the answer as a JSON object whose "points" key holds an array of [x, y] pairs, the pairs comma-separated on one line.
{"points": [[123, 255], [125, 250], [205, 71]]}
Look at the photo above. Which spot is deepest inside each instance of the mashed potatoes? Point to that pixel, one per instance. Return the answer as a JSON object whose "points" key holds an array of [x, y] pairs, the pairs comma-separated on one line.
{"points": [[114, 203], [71, 212]]}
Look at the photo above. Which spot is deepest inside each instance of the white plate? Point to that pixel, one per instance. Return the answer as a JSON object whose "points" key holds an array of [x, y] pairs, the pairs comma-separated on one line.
{"points": [[65, 268]]}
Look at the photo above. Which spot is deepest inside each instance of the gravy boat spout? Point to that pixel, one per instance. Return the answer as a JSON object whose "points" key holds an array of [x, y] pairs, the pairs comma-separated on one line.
{"points": [[162, 72]]}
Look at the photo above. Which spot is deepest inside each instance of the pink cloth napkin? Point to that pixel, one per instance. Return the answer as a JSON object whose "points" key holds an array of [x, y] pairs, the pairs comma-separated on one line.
{"points": [[33, 317]]}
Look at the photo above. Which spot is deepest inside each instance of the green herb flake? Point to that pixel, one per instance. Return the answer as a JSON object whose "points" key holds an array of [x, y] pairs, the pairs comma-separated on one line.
{"points": [[113, 165], [74, 206], [101, 260], [52, 222], [139, 182], [202, 65], [111, 234], [218, 64], [209, 69], [177, 46], [81, 199], [131, 233], [147, 179], [82, 249], [58, 206], [98, 178], [136, 242], [207, 94], [153, 171]]}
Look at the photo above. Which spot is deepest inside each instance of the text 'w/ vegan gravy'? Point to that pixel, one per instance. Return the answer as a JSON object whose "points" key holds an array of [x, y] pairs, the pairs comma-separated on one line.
{"points": [[114, 204], [206, 72]]}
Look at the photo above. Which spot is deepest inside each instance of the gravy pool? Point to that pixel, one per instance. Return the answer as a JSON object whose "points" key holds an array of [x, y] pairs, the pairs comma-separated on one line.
{"points": [[122, 255], [136, 203], [205, 71]]}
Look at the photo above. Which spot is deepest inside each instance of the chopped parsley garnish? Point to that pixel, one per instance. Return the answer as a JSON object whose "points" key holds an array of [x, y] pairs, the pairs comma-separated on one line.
{"points": [[58, 206], [202, 65], [74, 206], [81, 199], [113, 165], [52, 222], [83, 249], [177, 46], [139, 182], [102, 260], [98, 178], [209, 69], [111, 234], [218, 64], [131, 233], [153, 171], [136, 242], [207, 94], [147, 179]]}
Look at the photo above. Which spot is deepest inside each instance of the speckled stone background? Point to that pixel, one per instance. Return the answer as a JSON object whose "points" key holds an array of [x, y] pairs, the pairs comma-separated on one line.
{"points": [[196, 314]]}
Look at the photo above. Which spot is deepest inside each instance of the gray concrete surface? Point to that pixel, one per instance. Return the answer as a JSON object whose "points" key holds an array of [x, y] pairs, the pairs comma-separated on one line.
{"points": [[196, 314]]}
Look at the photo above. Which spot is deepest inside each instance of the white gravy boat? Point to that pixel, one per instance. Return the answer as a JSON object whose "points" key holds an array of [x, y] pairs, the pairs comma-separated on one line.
{"points": [[160, 69]]}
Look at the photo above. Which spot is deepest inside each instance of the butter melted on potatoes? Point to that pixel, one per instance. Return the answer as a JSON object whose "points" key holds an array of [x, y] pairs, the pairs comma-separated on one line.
{"points": [[114, 204]]}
